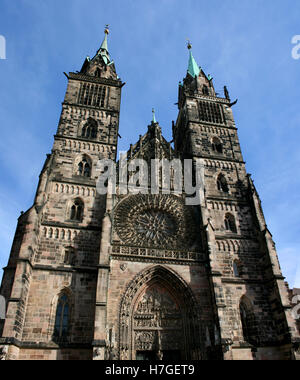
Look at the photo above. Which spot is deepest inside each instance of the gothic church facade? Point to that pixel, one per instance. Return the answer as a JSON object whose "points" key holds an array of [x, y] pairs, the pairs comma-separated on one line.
{"points": [[143, 276]]}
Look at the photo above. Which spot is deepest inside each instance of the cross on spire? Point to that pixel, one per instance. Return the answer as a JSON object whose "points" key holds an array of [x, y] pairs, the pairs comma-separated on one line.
{"points": [[189, 45]]}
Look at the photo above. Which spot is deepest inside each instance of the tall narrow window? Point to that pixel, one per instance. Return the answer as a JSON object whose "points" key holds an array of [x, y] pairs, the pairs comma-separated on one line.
{"points": [[93, 132], [87, 170], [230, 223], [248, 320], [236, 270], [76, 212], [80, 168], [61, 327], [69, 256], [222, 184], [88, 132]]}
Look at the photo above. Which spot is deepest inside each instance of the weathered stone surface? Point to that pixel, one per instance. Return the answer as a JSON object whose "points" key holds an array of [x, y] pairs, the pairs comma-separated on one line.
{"points": [[144, 276]]}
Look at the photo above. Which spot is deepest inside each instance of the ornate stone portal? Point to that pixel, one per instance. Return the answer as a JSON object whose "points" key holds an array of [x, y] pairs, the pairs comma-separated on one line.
{"points": [[158, 323], [159, 318]]}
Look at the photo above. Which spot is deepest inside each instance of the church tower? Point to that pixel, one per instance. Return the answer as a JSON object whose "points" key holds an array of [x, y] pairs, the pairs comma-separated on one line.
{"points": [[50, 281], [143, 275], [251, 299]]}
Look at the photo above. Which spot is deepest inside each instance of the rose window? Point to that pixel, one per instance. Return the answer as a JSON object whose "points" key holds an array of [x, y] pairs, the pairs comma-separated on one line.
{"points": [[154, 221], [155, 226]]}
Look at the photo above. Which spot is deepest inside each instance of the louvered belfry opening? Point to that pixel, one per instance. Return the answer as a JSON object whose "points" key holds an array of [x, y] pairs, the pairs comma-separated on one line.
{"points": [[92, 95]]}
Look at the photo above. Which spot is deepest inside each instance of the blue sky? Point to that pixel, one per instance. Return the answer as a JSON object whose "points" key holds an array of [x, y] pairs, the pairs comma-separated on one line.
{"points": [[245, 45]]}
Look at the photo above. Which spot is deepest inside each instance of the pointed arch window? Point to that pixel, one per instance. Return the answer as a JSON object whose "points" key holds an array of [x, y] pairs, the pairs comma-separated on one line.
{"points": [[89, 130], [84, 168], [249, 325], [217, 145], [62, 317], [230, 224], [222, 184], [76, 212]]}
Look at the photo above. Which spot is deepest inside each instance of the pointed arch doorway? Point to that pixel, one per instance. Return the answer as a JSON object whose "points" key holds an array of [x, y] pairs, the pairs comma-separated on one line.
{"points": [[158, 323], [159, 319]]}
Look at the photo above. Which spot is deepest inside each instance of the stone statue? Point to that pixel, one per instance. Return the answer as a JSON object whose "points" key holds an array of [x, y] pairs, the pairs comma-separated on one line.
{"points": [[226, 93]]}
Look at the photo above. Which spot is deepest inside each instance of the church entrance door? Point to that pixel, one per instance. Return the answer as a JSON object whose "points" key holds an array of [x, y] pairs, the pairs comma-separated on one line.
{"points": [[158, 325]]}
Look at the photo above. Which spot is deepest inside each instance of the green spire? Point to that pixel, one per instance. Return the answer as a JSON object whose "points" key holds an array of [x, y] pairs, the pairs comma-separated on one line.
{"points": [[193, 69], [103, 51], [153, 116], [104, 43]]}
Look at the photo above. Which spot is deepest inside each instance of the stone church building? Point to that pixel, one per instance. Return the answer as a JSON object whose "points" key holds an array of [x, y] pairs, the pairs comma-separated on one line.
{"points": [[144, 276]]}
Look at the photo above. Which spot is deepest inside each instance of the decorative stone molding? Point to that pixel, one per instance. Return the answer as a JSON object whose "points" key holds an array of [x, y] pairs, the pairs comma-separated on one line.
{"points": [[220, 164], [65, 234], [64, 188], [166, 255], [223, 206], [241, 245], [215, 130], [79, 146]]}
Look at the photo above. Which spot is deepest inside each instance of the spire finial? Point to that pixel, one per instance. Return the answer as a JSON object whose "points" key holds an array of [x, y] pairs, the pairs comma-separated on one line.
{"points": [[153, 116], [106, 30], [189, 45]]}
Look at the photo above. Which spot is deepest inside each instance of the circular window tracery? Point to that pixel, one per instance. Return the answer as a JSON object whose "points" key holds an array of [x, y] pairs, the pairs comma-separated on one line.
{"points": [[155, 221], [155, 226]]}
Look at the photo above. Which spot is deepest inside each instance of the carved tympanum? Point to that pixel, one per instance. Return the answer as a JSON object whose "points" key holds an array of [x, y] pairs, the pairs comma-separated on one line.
{"points": [[157, 321]]}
